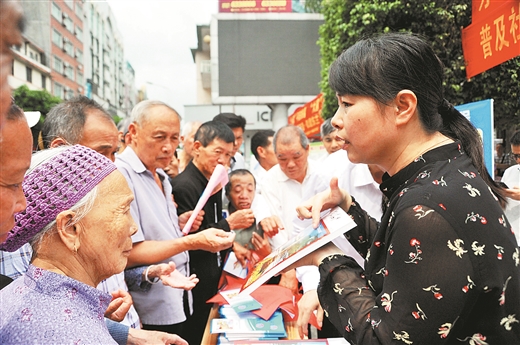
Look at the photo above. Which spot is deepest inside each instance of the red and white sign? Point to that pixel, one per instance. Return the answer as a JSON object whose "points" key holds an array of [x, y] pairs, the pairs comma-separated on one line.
{"points": [[493, 36], [254, 6], [308, 116]]}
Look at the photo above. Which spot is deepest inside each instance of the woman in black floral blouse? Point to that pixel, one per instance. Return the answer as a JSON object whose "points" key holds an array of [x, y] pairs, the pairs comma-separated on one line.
{"points": [[443, 266]]}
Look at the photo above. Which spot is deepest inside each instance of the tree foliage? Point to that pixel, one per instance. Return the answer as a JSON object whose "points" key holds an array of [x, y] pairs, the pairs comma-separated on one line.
{"points": [[440, 22], [34, 100]]}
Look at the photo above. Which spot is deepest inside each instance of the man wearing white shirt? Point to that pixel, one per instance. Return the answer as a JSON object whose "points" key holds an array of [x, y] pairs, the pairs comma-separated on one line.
{"points": [[293, 180], [511, 178], [262, 149]]}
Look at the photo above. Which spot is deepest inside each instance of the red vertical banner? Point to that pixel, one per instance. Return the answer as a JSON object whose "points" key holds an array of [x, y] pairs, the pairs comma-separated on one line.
{"points": [[308, 116], [493, 36]]}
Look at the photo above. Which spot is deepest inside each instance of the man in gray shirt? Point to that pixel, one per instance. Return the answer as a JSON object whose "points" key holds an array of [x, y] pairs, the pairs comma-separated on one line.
{"points": [[155, 132]]}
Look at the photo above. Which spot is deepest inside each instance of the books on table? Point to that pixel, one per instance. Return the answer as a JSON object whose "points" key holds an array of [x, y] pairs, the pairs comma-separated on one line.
{"points": [[245, 326], [332, 224]]}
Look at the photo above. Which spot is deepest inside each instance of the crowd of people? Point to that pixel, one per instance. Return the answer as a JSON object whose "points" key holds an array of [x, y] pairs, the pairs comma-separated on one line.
{"points": [[91, 224]]}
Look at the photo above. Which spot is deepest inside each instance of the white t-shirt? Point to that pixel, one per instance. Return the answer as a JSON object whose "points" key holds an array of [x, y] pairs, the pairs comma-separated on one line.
{"points": [[511, 178]]}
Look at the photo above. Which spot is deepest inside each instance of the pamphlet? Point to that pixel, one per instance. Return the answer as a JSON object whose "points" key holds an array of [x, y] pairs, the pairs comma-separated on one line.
{"points": [[240, 303], [233, 266], [332, 225]]}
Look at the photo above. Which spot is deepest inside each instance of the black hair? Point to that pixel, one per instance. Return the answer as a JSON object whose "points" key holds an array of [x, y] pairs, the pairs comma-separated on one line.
{"points": [[381, 66], [238, 172], [515, 139], [232, 120], [260, 139], [212, 130], [66, 120], [14, 112]]}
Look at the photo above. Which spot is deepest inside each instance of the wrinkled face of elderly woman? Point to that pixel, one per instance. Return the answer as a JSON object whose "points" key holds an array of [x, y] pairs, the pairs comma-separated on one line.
{"points": [[106, 242]]}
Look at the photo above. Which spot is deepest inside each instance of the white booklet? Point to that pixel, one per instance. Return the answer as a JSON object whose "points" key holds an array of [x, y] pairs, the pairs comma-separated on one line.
{"points": [[332, 225]]}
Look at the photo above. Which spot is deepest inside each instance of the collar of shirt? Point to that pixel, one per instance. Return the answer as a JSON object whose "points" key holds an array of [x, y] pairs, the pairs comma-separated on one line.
{"points": [[446, 152], [137, 165]]}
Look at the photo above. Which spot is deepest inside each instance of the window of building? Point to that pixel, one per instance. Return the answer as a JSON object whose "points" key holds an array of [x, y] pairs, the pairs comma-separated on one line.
{"points": [[57, 38], [56, 11], [68, 47], [70, 3], [58, 65], [79, 55], [79, 78], [44, 82], [79, 33], [79, 11], [58, 90], [28, 73], [68, 23], [69, 72]]}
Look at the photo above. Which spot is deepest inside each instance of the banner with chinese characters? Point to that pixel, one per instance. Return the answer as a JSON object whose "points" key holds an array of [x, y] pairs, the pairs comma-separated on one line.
{"points": [[308, 117], [254, 6], [493, 36]]}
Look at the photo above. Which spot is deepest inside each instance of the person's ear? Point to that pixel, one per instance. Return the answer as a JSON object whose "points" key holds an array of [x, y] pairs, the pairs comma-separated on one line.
{"points": [[261, 151], [58, 141], [69, 235], [132, 129], [197, 145], [406, 106]]}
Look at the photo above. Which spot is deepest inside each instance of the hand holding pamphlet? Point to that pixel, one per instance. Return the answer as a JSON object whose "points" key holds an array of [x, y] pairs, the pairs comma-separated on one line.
{"points": [[332, 225], [219, 177]]}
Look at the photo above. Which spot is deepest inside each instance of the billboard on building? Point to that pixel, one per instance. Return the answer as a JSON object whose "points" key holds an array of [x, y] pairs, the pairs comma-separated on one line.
{"points": [[265, 58]]}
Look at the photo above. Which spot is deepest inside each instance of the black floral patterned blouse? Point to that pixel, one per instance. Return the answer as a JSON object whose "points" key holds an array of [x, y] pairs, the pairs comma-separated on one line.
{"points": [[443, 266]]}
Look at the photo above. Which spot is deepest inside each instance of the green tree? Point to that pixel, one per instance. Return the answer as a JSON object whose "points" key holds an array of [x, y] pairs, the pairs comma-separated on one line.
{"points": [[34, 100], [346, 21]]}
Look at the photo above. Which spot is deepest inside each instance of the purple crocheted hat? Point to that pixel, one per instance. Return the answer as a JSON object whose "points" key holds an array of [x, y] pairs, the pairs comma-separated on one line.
{"points": [[56, 186]]}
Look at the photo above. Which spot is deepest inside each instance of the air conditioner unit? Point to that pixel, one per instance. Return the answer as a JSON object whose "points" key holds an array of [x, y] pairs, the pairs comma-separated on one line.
{"points": [[64, 43], [64, 19], [80, 89], [80, 67]]}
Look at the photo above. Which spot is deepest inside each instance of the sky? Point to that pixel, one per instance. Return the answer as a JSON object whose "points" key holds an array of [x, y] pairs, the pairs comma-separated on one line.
{"points": [[158, 36]]}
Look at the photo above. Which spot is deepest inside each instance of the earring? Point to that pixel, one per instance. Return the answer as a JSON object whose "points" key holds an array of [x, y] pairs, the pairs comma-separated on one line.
{"points": [[75, 249]]}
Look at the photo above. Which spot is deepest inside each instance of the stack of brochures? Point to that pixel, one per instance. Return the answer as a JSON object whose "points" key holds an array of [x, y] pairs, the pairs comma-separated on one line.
{"points": [[233, 326]]}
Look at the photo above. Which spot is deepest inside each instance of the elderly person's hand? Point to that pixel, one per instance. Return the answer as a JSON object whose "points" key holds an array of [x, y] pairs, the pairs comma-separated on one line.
{"points": [[329, 198], [119, 306], [171, 277], [241, 219], [271, 225], [262, 246], [242, 253], [212, 240], [142, 337], [183, 219]]}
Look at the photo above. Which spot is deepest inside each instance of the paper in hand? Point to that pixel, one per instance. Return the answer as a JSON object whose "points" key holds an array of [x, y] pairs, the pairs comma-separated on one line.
{"points": [[219, 177]]}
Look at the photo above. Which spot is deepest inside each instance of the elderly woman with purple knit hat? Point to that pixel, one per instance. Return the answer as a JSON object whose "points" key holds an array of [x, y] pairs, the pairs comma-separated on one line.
{"points": [[79, 224]]}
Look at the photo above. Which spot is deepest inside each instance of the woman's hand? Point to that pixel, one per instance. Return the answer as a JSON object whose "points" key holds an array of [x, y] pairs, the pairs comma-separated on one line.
{"points": [[329, 198]]}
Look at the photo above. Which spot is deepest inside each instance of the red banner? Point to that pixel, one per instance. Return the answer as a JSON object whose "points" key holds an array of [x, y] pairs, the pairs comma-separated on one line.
{"points": [[493, 38], [308, 116], [255, 6], [480, 9]]}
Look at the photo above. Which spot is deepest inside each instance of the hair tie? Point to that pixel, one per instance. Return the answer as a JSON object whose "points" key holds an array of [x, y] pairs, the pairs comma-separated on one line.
{"points": [[445, 107]]}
